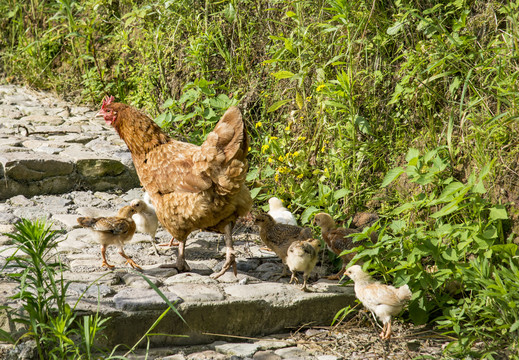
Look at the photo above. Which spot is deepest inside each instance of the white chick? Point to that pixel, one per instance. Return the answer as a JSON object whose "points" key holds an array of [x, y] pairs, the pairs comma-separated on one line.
{"points": [[302, 256], [145, 219], [279, 213], [382, 300]]}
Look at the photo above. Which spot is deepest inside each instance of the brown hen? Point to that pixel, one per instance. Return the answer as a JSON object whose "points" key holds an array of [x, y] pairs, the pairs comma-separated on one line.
{"points": [[191, 187], [114, 230], [338, 239]]}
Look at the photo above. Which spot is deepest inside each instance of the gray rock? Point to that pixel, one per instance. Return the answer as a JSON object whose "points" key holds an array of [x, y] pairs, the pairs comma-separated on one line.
{"points": [[136, 281], [293, 353], [143, 299], [207, 355], [90, 291], [197, 292], [237, 349], [266, 355]]}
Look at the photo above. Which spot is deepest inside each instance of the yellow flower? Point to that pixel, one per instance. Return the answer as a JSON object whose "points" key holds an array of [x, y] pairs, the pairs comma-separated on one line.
{"points": [[301, 138], [273, 138], [287, 128], [281, 158], [249, 148], [295, 153], [264, 148], [283, 170], [320, 87], [270, 160], [276, 178], [258, 124], [322, 149], [300, 176]]}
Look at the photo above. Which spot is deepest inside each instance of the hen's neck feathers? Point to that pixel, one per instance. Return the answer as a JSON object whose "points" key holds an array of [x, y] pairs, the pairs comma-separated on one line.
{"points": [[140, 133]]}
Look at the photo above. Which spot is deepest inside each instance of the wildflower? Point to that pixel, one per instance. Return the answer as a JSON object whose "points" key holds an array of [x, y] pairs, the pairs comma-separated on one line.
{"points": [[276, 178], [249, 148], [300, 176], [270, 160], [301, 138], [258, 124], [273, 138], [264, 148], [281, 158], [320, 87], [295, 153], [323, 148], [287, 128]]}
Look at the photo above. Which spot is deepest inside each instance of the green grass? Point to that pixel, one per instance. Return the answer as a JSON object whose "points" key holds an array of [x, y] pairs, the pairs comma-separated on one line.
{"points": [[335, 93]]}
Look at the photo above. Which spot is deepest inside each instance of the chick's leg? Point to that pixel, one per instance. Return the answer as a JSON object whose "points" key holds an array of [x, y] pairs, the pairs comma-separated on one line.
{"points": [[103, 254], [387, 333], [294, 278], [230, 257]]}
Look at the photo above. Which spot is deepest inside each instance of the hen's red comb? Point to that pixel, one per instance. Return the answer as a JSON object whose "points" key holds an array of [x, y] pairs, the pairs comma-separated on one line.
{"points": [[107, 101]]}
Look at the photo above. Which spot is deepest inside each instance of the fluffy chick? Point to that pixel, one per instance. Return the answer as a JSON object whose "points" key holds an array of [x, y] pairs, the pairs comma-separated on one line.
{"points": [[384, 301], [338, 239], [278, 237], [302, 256], [145, 219], [280, 213], [114, 230]]}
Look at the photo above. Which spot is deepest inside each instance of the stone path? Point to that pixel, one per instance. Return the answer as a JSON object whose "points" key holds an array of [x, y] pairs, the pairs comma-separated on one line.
{"points": [[58, 162]]}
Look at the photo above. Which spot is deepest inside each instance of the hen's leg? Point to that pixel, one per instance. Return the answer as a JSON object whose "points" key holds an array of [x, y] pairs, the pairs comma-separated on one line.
{"points": [[230, 257], [103, 254], [181, 259]]}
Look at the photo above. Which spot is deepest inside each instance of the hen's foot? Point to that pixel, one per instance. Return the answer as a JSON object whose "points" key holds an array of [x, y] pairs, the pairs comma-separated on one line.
{"points": [[230, 260], [173, 242]]}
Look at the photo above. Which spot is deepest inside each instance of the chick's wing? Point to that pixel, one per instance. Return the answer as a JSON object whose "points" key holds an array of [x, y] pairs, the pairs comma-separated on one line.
{"points": [[112, 225]]}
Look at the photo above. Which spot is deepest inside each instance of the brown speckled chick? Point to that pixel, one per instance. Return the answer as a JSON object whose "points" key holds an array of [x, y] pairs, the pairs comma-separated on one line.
{"points": [[113, 230], [302, 256], [363, 220], [338, 239], [278, 237]]}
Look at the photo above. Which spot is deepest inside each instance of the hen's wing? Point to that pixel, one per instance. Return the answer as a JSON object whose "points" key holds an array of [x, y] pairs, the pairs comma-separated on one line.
{"points": [[220, 161]]}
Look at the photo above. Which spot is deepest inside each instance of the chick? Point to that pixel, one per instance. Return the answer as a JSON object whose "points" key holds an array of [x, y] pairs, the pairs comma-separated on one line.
{"points": [[278, 237], [279, 213], [116, 230], [302, 256], [363, 220], [338, 239], [383, 301], [145, 219]]}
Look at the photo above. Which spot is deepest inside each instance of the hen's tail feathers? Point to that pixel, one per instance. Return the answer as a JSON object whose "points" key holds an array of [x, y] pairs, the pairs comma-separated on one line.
{"points": [[223, 154], [86, 221], [404, 293]]}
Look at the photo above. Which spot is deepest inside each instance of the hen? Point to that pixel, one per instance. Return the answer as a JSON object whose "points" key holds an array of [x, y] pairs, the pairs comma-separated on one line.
{"points": [[278, 237], [383, 301], [280, 213], [302, 256], [338, 239], [191, 187], [114, 230]]}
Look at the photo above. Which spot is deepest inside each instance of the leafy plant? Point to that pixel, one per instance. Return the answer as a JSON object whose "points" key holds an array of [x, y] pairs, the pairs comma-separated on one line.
{"points": [[47, 317]]}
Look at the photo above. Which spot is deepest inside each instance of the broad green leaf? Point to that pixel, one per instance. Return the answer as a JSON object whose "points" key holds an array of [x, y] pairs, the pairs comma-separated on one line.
{"points": [[339, 194], [479, 188], [252, 174], [299, 100], [283, 74], [446, 210], [167, 103], [412, 154], [254, 192], [309, 211], [393, 30], [277, 105], [392, 175], [498, 212], [402, 208]]}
